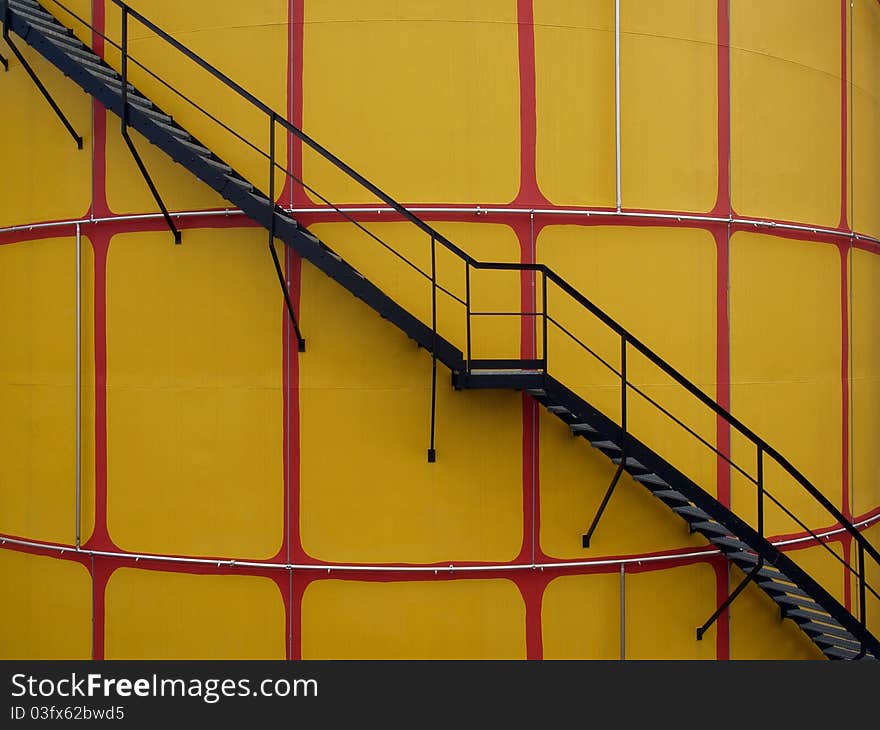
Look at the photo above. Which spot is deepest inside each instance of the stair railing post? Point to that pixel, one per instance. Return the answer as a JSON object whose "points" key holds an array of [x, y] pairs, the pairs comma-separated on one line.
{"points": [[301, 342], [432, 453], [467, 309], [545, 315], [760, 480], [125, 135], [862, 606], [623, 388]]}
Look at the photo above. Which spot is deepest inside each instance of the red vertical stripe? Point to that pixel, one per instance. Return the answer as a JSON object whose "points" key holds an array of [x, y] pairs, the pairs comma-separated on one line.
{"points": [[529, 193]]}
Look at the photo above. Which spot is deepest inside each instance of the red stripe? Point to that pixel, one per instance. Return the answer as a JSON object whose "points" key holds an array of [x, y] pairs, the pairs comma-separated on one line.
{"points": [[529, 192]]}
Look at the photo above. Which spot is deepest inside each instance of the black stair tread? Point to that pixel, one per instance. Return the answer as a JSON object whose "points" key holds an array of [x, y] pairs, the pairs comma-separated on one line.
{"points": [[651, 478], [711, 526], [800, 602], [557, 409], [671, 495], [536, 392], [605, 444], [774, 586], [828, 640], [752, 559], [581, 428], [813, 627], [808, 615], [630, 463], [222, 166], [729, 543], [690, 511], [244, 184], [840, 653]]}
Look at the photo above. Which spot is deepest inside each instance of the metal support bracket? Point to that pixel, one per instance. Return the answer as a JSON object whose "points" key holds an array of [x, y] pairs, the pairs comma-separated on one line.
{"points": [[299, 338], [128, 140], [432, 452], [730, 599], [4, 61], [36, 79], [604, 504]]}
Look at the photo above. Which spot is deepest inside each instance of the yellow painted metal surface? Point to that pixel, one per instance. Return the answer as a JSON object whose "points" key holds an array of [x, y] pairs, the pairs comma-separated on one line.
{"points": [[38, 390], [785, 330], [574, 101], [218, 31], [192, 616], [669, 105], [194, 404], [45, 177], [611, 264], [688, 599], [46, 612], [580, 617], [865, 110], [454, 619], [441, 125], [785, 109], [367, 491], [865, 383]]}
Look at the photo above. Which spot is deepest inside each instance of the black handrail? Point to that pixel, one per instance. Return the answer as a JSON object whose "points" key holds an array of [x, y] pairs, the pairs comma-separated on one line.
{"points": [[548, 274]]}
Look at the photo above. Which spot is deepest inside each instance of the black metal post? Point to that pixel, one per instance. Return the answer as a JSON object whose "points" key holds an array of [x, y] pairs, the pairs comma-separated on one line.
{"points": [[284, 290], [544, 307], [623, 386], [467, 309], [130, 142], [432, 453], [862, 607], [730, 599], [760, 481], [586, 538], [36, 79]]}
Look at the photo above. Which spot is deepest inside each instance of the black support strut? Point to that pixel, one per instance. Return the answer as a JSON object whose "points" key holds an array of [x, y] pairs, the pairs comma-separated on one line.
{"points": [[36, 79], [128, 140], [730, 599], [605, 499]]}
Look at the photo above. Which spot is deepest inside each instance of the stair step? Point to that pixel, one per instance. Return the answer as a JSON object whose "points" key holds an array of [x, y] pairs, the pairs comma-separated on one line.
{"points": [[799, 602], [195, 147], [152, 113], [689, 511], [672, 495], [222, 166], [651, 478], [714, 527], [811, 627], [807, 615], [35, 14], [729, 543], [839, 653], [173, 129], [828, 640], [557, 409], [116, 85], [93, 65], [536, 392], [581, 428], [607, 445], [772, 586], [243, 184], [630, 463]]}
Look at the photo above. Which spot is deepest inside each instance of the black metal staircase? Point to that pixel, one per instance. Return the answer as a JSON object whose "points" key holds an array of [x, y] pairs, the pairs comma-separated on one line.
{"points": [[835, 630]]}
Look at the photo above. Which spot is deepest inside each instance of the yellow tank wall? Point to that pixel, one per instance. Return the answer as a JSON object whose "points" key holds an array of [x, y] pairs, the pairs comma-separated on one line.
{"points": [[206, 435]]}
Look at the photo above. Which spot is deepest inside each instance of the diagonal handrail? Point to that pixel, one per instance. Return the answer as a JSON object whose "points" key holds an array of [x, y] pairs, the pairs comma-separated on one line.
{"points": [[628, 339]]}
